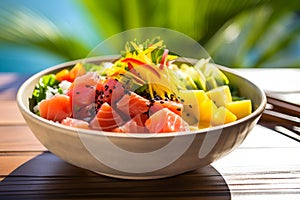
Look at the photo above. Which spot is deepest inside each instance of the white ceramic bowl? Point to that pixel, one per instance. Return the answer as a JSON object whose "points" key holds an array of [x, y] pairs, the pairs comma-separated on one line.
{"points": [[141, 156]]}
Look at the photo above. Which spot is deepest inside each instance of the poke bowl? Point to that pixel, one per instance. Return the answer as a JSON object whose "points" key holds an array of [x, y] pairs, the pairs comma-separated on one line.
{"points": [[140, 154]]}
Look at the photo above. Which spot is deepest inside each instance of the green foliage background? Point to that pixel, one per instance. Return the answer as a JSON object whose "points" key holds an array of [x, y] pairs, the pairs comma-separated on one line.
{"points": [[248, 33]]}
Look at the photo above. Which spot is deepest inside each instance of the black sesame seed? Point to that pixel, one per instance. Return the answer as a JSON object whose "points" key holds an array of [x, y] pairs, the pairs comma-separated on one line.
{"points": [[152, 101], [162, 102], [106, 87], [77, 92], [178, 109], [190, 106], [110, 91], [157, 98]]}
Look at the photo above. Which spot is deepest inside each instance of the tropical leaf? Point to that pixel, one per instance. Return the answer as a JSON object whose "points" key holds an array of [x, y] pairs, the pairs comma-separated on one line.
{"points": [[198, 19], [253, 38], [26, 28], [279, 36], [236, 33], [240, 26]]}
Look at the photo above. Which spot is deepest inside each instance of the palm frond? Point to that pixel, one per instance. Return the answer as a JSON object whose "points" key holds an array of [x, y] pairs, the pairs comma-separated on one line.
{"points": [[26, 28], [198, 19], [253, 38], [278, 37], [235, 33]]}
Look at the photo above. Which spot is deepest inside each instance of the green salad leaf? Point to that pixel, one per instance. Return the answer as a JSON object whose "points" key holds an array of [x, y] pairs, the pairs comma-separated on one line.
{"points": [[45, 83]]}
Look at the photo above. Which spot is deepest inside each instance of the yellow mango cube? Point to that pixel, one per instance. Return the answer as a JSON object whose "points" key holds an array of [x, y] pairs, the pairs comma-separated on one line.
{"points": [[240, 108], [204, 124], [207, 108], [221, 96], [191, 100], [223, 116], [192, 96]]}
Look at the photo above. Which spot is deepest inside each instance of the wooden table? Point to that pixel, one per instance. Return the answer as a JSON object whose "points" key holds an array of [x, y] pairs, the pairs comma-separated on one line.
{"points": [[265, 166]]}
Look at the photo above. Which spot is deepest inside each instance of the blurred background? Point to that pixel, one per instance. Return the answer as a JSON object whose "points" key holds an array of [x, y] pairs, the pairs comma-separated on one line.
{"points": [[36, 34]]}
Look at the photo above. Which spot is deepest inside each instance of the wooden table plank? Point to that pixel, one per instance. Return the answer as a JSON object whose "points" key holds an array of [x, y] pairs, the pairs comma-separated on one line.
{"points": [[265, 166], [18, 138], [10, 83], [263, 149], [11, 161], [10, 114]]}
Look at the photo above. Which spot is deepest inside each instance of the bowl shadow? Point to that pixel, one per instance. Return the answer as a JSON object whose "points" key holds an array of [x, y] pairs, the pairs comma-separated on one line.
{"points": [[48, 177]]}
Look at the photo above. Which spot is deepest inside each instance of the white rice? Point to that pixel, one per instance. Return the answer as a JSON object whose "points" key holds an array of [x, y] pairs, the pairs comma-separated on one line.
{"points": [[65, 85]]}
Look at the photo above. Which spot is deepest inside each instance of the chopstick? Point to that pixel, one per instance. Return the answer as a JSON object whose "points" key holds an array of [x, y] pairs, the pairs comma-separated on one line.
{"points": [[283, 106], [282, 116]]}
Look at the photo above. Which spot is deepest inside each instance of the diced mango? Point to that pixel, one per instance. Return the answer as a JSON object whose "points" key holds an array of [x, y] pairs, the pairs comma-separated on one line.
{"points": [[192, 96], [240, 108], [223, 116], [204, 124], [206, 110], [191, 100], [77, 70], [220, 95]]}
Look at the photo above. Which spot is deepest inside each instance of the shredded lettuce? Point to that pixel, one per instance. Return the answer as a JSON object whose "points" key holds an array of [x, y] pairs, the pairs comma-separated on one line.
{"points": [[45, 84]]}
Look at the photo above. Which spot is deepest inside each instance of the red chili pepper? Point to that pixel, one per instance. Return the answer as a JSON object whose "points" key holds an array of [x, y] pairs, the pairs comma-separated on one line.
{"points": [[133, 60]]}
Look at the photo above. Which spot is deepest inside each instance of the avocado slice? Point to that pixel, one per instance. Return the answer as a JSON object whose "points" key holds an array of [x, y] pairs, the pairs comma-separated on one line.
{"points": [[214, 76], [197, 77], [186, 77]]}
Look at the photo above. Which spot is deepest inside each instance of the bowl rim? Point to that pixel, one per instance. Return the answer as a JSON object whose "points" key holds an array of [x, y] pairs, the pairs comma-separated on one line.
{"points": [[25, 110]]}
